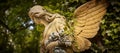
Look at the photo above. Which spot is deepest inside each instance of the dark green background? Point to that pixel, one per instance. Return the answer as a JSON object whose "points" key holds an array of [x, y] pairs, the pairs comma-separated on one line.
{"points": [[17, 36]]}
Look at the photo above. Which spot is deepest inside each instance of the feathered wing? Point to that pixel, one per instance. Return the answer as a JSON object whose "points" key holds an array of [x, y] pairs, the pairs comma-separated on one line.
{"points": [[87, 21]]}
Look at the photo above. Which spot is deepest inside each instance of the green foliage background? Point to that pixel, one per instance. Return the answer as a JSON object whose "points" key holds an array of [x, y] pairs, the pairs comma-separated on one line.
{"points": [[18, 34]]}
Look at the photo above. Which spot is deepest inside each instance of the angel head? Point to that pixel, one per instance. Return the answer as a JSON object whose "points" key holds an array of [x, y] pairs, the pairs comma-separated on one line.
{"points": [[38, 14]]}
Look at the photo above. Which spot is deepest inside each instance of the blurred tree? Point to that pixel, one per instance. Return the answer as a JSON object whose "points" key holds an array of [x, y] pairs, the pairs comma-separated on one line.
{"points": [[18, 34]]}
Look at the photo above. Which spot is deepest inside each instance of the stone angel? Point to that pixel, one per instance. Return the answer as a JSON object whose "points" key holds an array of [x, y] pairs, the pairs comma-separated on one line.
{"points": [[58, 36]]}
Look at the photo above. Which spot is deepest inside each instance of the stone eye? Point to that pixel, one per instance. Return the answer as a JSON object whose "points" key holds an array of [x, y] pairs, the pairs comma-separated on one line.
{"points": [[36, 12]]}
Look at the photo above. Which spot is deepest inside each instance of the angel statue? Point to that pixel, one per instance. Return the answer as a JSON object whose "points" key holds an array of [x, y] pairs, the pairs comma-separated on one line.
{"points": [[59, 36]]}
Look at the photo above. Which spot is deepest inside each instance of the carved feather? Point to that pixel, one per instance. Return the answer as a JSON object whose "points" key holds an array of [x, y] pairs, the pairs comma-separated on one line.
{"points": [[87, 21]]}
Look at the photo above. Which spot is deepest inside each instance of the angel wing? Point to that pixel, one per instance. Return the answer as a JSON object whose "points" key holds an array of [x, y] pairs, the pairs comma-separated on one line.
{"points": [[87, 21]]}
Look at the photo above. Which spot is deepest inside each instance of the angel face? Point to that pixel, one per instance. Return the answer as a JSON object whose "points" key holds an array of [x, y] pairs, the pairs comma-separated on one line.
{"points": [[37, 14]]}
